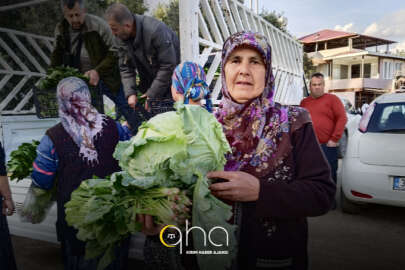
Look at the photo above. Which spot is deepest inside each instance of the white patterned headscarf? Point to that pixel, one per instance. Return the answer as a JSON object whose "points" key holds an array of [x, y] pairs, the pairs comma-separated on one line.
{"points": [[79, 118]]}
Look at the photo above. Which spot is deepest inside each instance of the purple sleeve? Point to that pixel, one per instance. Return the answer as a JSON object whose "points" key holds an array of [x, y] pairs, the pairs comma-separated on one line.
{"points": [[45, 164], [312, 191]]}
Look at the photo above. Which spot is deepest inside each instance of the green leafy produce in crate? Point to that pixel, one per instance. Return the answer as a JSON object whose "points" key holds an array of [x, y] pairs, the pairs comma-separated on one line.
{"points": [[45, 93]]}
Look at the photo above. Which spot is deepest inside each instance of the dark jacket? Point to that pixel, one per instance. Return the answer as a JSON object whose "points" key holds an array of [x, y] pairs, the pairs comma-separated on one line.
{"points": [[154, 53], [274, 231], [97, 39]]}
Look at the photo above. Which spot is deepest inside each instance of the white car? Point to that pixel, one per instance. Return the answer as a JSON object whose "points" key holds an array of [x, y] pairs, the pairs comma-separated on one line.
{"points": [[373, 168]]}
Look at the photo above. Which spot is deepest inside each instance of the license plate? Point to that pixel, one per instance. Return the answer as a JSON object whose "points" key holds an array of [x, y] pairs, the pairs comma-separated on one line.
{"points": [[399, 183]]}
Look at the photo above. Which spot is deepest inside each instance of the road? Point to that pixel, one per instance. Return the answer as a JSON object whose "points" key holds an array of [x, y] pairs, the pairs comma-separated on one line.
{"points": [[372, 240]]}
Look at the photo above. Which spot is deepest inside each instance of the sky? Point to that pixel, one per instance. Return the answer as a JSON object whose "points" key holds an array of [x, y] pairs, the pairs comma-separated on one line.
{"points": [[379, 18]]}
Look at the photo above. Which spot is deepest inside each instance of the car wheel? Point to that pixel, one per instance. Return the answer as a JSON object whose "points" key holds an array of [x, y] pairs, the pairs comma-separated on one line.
{"points": [[348, 206], [342, 145]]}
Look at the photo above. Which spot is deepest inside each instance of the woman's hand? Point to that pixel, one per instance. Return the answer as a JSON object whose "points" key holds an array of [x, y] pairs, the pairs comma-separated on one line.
{"points": [[8, 206], [241, 186], [148, 226]]}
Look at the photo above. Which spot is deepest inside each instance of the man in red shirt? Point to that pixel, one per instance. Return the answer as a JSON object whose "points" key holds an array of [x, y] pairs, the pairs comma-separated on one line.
{"points": [[328, 117]]}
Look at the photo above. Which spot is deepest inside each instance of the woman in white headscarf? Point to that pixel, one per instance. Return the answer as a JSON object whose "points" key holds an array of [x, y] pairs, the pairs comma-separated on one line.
{"points": [[76, 149]]}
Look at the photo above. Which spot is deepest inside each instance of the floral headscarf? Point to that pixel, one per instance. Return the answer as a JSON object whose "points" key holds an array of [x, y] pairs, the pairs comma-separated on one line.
{"points": [[258, 131], [79, 118], [189, 79]]}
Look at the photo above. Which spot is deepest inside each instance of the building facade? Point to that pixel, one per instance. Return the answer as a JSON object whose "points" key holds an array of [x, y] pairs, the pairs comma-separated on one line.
{"points": [[353, 64]]}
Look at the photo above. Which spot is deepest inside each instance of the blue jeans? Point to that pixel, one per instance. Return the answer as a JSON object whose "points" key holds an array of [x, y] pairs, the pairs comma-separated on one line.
{"points": [[331, 156], [121, 103]]}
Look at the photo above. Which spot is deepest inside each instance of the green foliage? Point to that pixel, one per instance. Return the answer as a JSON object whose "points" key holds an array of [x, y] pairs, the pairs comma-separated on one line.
{"points": [[160, 12], [42, 18], [309, 68], [169, 14], [276, 19], [164, 164], [135, 6], [104, 212], [55, 75], [20, 164]]}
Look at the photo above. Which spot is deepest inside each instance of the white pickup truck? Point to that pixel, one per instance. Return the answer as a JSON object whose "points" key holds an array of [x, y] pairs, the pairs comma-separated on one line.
{"points": [[204, 25]]}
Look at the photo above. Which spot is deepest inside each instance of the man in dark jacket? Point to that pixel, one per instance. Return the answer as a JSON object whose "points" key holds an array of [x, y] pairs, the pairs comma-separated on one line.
{"points": [[84, 41], [147, 46]]}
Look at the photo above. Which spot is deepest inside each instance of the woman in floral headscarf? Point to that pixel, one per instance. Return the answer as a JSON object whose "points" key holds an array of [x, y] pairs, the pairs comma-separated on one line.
{"points": [[276, 175], [188, 84], [76, 149]]}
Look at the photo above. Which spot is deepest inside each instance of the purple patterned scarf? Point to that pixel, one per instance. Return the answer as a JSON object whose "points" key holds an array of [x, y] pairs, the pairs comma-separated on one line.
{"points": [[256, 129], [79, 118]]}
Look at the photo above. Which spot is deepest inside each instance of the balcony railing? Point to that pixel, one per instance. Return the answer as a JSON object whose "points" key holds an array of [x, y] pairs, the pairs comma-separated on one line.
{"points": [[359, 83]]}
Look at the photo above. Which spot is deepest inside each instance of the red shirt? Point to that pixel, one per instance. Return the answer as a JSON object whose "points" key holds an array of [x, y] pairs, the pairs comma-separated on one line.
{"points": [[328, 116]]}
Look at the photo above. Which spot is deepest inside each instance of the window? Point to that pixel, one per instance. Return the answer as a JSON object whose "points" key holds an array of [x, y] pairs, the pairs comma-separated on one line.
{"points": [[388, 70], [367, 70], [398, 68], [355, 71], [388, 117], [344, 71]]}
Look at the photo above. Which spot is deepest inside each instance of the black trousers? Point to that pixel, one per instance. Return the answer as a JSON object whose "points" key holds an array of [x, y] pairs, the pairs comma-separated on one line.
{"points": [[7, 260]]}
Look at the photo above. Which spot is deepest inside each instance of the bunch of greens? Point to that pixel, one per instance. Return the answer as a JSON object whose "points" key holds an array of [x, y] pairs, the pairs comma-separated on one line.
{"points": [[177, 149], [164, 164], [54, 75], [37, 204], [37, 201], [104, 211], [20, 164]]}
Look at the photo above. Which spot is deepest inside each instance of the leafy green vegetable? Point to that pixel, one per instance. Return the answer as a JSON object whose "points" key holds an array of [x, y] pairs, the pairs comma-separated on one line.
{"points": [[176, 149], [37, 201], [20, 163], [164, 165], [37, 204], [54, 75], [104, 211]]}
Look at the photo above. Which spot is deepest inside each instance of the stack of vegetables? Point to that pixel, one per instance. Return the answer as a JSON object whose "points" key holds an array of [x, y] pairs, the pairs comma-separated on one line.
{"points": [[164, 167]]}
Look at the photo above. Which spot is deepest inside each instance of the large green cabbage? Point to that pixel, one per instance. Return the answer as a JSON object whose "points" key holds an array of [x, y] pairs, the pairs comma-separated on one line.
{"points": [[177, 149]]}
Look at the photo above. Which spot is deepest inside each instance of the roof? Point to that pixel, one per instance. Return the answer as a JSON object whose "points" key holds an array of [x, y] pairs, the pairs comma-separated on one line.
{"points": [[328, 34], [391, 98], [325, 35]]}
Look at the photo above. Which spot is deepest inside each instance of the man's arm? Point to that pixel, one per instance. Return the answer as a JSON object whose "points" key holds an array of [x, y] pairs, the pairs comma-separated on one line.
{"points": [[167, 57], [341, 119], [58, 51], [110, 59], [127, 71]]}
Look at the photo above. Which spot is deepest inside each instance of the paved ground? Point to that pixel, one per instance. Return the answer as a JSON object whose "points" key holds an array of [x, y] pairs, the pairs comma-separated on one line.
{"points": [[39, 255], [372, 240]]}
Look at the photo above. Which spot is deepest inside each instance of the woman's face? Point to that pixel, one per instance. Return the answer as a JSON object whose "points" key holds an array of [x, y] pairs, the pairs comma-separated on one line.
{"points": [[245, 74]]}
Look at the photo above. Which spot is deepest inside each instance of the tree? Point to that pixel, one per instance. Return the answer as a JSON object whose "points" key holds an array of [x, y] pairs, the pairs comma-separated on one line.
{"points": [[41, 19], [309, 67], [136, 6], [169, 14], [276, 19]]}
